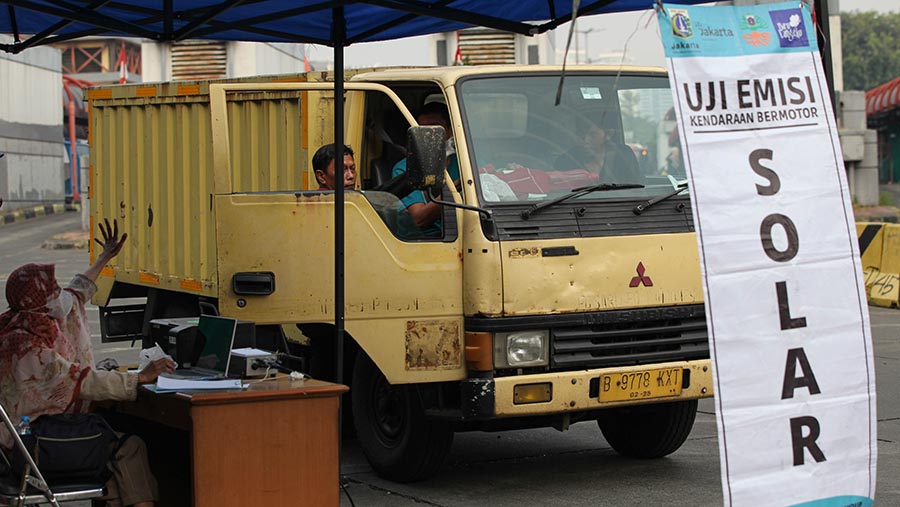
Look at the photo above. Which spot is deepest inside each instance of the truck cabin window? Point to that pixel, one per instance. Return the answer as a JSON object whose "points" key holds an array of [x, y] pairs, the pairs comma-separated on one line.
{"points": [[408, 213], [605, 130]]}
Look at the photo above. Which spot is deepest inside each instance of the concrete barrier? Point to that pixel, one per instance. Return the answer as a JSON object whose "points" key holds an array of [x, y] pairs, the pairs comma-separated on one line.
{"points": [[879, 249], [36, 211], [871, 241]]}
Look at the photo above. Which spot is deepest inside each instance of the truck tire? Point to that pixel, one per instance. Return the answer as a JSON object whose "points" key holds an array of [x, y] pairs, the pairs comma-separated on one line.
{"points": [[648, 431], [400, 443]]}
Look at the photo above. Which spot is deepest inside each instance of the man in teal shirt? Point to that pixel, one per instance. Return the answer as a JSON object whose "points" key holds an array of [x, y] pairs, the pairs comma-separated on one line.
{"points": [[424, 213]]}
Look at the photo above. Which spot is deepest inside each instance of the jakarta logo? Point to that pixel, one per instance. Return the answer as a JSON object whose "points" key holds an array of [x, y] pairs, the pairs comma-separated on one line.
{"points": [[752, 23], [790, 28], [681, 23]]}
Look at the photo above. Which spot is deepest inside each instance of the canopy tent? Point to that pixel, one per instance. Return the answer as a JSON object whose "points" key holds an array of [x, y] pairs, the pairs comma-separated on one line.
{"points": [[336, 23], [307, 21]]}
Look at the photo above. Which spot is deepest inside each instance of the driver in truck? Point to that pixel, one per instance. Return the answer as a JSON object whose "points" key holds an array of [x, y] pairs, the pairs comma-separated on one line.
{"points": [[600, 152], [425, 213]]}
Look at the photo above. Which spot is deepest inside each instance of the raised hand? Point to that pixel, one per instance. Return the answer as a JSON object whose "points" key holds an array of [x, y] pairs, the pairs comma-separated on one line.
{"points": [[111, 243]]}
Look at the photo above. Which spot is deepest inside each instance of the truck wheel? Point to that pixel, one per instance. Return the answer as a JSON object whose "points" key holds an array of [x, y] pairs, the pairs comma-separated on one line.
{"points": [[400, 443], [648, 431]]}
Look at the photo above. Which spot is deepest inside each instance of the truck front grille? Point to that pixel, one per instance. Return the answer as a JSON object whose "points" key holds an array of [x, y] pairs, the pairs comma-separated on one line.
{"points": [[618, 344]]}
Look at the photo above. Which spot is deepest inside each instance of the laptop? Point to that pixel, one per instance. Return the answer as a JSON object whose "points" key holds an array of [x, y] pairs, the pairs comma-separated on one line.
{"points": [[215, 358]]}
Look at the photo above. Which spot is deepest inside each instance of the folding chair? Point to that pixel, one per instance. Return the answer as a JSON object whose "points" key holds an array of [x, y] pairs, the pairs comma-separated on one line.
{"points": [[31, 488]]}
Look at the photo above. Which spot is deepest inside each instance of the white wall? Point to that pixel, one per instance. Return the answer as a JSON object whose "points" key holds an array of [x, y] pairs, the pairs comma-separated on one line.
{"points": [[155, 62], [260, 59], [31, 131], [27, 81], [411, 51]]}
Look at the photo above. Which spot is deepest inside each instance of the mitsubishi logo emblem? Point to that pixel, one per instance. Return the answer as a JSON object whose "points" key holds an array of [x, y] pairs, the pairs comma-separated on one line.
{"points": [[641, 279]]}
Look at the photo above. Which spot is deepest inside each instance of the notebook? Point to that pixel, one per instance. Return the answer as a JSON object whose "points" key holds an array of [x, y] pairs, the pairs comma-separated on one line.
{"points": [[218, 339]]}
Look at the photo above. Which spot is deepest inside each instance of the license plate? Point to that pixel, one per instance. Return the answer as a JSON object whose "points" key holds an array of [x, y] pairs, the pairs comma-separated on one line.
{"points": [[640, 385]]}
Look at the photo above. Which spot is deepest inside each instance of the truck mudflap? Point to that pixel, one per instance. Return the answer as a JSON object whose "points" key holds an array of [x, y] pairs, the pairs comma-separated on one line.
{"points": [[561, 392], [477, 396]]}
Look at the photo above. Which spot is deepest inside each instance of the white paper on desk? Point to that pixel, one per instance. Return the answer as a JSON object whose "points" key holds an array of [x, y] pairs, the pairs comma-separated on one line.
{"points": [[147, 356], [250, 352], [176, 384]]}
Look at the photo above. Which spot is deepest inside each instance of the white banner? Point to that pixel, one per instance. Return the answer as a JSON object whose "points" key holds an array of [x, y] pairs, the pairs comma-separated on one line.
{"points": [[785, 296]]}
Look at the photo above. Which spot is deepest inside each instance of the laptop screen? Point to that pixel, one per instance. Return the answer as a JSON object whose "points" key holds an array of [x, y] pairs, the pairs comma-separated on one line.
{"points": [[218, 338]]}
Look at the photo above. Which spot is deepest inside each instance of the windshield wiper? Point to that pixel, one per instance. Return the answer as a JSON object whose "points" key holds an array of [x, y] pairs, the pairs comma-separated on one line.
{"points": [[642, 207], [577, 192]]}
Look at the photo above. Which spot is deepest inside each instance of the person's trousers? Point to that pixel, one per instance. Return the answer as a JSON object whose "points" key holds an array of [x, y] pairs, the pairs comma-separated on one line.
{"points": [[132, 481]]}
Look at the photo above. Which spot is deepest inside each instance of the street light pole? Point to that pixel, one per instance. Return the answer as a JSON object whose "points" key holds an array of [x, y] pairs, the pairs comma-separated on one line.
{"points": [[575, 29], [587, 57]]}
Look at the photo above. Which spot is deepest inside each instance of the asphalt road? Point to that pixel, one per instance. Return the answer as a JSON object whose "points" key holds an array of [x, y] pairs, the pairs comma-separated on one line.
{"points": [[530, 467]]}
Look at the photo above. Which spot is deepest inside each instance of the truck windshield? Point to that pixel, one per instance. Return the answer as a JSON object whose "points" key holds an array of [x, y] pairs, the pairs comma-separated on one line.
{"points": [[607, 129]]}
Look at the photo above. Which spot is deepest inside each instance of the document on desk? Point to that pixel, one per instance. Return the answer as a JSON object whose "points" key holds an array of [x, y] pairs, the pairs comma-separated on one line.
{"points": [[174, 384], [250, 352]]}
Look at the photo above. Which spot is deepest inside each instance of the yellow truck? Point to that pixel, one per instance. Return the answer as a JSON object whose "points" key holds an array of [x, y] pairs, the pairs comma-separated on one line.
{"points": [[565, 288]]}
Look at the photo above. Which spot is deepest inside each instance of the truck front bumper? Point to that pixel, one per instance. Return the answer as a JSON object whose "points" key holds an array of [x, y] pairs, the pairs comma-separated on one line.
{"points": [[576, 391]]}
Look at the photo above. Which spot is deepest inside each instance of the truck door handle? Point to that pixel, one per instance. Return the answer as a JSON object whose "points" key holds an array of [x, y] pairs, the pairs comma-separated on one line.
{"points": [[259, 283]]}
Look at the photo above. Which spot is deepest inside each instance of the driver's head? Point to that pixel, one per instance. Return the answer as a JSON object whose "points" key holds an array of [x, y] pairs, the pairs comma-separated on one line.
{"points": [[599, 129], [435, 114]]}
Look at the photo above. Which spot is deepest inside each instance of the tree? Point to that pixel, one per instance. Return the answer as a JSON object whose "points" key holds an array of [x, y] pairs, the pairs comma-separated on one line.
{"points": [[871, 44]]}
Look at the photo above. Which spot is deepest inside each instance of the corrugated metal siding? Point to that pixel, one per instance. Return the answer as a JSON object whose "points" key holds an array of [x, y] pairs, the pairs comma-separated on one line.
{"points": [[153, 163], [199, 60], [481, 46], [153, 171], [266, 145]]}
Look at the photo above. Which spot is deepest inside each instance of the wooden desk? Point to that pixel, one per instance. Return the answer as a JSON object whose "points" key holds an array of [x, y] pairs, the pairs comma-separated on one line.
{"points": [[274, 443]]}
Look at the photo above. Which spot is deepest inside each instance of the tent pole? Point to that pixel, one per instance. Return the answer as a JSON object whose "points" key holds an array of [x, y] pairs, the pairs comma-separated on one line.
{"points": [[824, 36], [339, 36], [15, 25]]}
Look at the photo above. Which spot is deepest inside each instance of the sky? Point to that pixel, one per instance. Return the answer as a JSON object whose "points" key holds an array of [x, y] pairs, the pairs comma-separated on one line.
{"points": [[605, 36]]}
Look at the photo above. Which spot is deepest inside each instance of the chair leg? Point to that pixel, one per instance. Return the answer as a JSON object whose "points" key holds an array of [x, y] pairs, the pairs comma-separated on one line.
{"points": [[35, 479]]}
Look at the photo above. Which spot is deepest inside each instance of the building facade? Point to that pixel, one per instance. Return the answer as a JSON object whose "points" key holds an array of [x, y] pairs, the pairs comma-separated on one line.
{"points": [[32, 168], [199, 59], [883, 109], [486, 46]]}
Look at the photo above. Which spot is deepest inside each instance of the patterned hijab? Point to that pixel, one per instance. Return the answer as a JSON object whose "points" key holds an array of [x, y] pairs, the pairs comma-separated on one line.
{"points": [[43, 359]]}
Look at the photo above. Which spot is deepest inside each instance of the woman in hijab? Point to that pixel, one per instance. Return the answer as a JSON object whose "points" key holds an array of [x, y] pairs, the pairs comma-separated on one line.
{"points": [[46, 362]]}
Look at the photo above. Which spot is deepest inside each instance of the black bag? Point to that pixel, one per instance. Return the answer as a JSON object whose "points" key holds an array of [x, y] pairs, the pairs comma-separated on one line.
{"points": [[69, 448]]}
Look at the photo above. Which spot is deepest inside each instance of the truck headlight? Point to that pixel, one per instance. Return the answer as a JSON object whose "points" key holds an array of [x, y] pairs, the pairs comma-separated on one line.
{"points": [[521, 348]]}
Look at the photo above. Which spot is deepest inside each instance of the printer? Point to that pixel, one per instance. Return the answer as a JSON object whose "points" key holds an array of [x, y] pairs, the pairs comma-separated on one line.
{"points": [[179, 338]]}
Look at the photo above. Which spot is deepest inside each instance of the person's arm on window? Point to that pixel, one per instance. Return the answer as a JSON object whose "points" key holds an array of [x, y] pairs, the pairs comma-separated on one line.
{"points": [[424, 214], [422, 211]]}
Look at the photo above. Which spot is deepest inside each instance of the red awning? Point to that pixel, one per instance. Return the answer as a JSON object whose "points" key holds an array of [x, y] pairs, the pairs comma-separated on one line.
{"points": [[883, 98]]}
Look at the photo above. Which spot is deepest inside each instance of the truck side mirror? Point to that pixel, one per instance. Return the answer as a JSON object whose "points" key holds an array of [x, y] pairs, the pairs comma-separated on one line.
{"points": [[426, 157]]}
